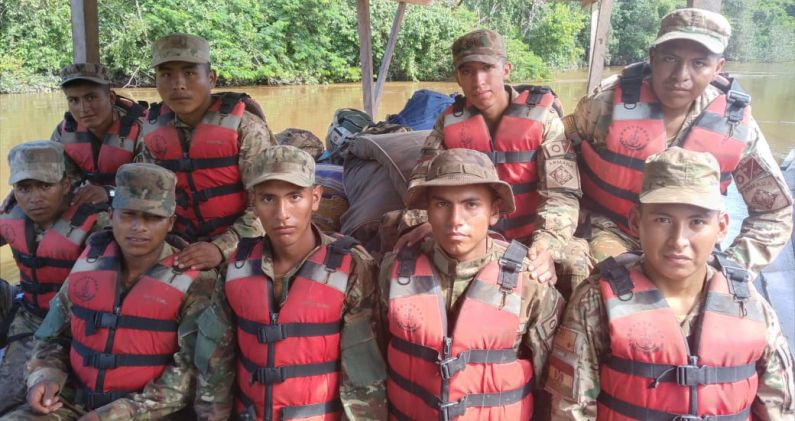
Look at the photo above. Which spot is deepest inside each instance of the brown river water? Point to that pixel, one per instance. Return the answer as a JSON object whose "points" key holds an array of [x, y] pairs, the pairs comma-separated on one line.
{"points": [[33, 116]]}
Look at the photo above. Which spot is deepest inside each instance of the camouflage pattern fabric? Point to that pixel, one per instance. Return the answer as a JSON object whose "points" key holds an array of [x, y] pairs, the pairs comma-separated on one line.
{"points": [[483, 45], [91, 72], [146, 188], [678, 175], [707, 28], [12, 369], [180, 47], [39, 160], [301, 139], [281, 162]]}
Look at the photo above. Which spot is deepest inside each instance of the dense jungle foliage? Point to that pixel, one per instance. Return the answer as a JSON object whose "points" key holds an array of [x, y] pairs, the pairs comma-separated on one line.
{"points": [[301, 41]]}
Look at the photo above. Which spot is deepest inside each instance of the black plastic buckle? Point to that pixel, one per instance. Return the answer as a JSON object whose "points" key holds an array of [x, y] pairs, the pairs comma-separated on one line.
{"points": [[270, 333], [510, 266], [200, 196], [688, 375], [100, 360], [108, 320], [452, 410], [688, 418], [267, 375], [451, 366], [185, 165], [739, 98]]}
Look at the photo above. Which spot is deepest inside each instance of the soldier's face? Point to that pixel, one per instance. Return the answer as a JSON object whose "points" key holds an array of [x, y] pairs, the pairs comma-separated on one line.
{"points": [[680, 72], [285, 211], [42, 202], [677, 240], [483, 83], [460, 217], [140, 234], [185, 87], [91, 105]]}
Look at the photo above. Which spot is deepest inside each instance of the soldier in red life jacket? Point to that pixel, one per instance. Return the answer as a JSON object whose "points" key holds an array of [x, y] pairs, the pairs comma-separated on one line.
{"points": [[679, 98], [519, 128], [468, 328], [669, 335], [208, 140], [302, 305], [100, 132], [118, 341], [46, 236]]}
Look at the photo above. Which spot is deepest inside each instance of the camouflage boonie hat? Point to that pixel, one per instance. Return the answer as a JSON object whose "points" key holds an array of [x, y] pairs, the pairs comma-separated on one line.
{"points": [[483, 45], [145, 187], [180, 47], [282, 162], [301, 139], [709, 29], [460, 167], [91, 72], [39, 160], [678, 175]]}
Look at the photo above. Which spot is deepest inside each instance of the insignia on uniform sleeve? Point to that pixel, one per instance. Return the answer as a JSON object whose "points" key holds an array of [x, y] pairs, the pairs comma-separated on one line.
{"points": [[561, 174], [761, 191], [563, 362]]}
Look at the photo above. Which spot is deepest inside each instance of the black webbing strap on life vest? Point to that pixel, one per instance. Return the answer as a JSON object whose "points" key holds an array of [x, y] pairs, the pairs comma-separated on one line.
{"points": [[104, 361], [245, 246], [269, 333], [617, 277], [737, 276], [70, 122], [640, 413], [407, 262], [451, 366], [85, 210], [205, 226], [272, 375], [229, 100], [458, 105], [337, 251], [93, 400], [37, 262], [38, 287], [631, 80], [536, 94], [208, 193], [683, 375], [186, 164], [97, 244], [736, 97], [134, 112], [307, 411], [511, 266], [154, 112], [96, 320]]}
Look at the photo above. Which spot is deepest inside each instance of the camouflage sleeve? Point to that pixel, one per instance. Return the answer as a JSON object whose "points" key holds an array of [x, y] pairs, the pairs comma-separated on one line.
{"points": [[50, 358], [383, 286], [768, 226], [546, 306], [142, 153], [593, 114], [363, 384], [579, 343], [434, 144], [174, 388], [775, 393]]}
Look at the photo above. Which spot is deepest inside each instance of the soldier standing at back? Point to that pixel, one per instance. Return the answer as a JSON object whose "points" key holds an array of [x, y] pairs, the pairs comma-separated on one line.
{"points": [[678, 98], [208, 140]]}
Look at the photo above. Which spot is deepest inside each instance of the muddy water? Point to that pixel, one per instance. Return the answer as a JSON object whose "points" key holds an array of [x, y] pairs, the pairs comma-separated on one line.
{"points": [[33, 116]]}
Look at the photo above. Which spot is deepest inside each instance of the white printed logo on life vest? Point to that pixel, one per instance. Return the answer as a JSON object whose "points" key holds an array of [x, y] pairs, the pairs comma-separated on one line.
{"points": [[634, 138]]}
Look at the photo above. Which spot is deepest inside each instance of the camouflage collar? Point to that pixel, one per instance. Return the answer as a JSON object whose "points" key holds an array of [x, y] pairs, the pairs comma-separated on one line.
{"points": [[459, 271]]}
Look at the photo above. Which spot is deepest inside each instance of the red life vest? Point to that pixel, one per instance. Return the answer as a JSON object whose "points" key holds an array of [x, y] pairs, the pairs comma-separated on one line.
{"points": [[469, 370], [611, 176], [513, 149], [117, 148], [210, 194], [44, 266], [654, 373], [289, 357], [120, 343]]}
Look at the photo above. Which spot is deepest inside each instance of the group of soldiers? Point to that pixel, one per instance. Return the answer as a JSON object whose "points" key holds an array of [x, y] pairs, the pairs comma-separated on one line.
{"points": [[170, 268]]}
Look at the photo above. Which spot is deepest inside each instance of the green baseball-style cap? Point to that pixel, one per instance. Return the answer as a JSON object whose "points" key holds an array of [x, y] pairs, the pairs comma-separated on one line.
{"points": [[180, 47], [483, 45], [460, 167], [39, 160], [282, 162], [679, 175], [301, 139], [145, 187], [707, 28], [91, 72]]}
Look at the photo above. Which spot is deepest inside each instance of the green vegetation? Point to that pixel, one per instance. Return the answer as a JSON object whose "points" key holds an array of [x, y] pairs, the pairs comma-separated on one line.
{"points": [[299, 41]]}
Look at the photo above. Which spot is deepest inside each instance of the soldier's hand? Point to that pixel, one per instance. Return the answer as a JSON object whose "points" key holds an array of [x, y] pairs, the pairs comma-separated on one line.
{"points": [[89, 416], [43, 397], [199, 256], [90, 193], [417, 235], [542, 265]]}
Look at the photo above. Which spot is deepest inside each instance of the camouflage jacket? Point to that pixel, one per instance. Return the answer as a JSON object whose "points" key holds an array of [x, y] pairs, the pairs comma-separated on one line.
{"points": [[162, 396], [766, 231], [253, 137], [585, 326], [362, 385]]}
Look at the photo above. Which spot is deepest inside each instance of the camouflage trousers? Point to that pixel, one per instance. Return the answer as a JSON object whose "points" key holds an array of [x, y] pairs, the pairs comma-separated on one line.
{"points": [[13, 373], [573, 265], [607, 239], [24, 413]]}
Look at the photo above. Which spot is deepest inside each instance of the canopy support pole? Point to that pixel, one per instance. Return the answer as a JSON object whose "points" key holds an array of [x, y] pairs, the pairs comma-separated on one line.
{"points": [[387, 60], [85, 31], [599, 44], [366, 54]]}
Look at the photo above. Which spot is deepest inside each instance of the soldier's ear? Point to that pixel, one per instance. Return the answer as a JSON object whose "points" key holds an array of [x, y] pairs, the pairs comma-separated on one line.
{"points": [[723, 225], [171, 220], [317, 195], [213, 78], [495, 211], [634, 219]]}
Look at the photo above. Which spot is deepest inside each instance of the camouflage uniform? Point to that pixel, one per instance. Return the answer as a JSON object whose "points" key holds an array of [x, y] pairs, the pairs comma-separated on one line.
{"points": [[253, 134], [558, 210], [759, 180], [301, 139], [582, 343], [43, 161], [150, 189], [362, 389]]}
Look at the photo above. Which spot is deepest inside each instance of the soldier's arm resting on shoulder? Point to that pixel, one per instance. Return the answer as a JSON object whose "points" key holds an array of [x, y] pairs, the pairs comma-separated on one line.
{"points": [[50, 358], [174, 389], [579, 344], [774, 400], [363, 382], [593, 114], [768, 226]]}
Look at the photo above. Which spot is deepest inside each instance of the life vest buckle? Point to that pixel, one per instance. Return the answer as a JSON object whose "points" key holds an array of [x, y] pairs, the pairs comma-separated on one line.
{"points": [[101, 320], [100, 360], [452, 410], [267, 375], [690, 375], [449, 367], [688, 418], [185, 164], [270, 333]]}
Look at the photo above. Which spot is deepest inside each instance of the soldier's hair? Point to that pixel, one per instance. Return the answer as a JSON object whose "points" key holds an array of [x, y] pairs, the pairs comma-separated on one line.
{"points": [[82, 82]]}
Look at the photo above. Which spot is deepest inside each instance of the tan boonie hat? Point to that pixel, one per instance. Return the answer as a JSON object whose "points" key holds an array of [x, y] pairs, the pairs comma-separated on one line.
{"points": [[145, 187], [301, 139], [39, 160], [482, 45], [282, 162], [91, 72], [180, 47], [460, 167], [709, 29], [678, 175]]}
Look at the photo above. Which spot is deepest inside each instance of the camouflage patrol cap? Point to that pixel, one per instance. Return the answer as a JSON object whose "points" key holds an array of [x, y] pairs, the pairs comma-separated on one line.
{"points": [[180, 47], [460, 167], [145, 187], [679, 175], [707, 28], [282, 162], [301, 139], [91, 72], [483, 45], [39, 160]]}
